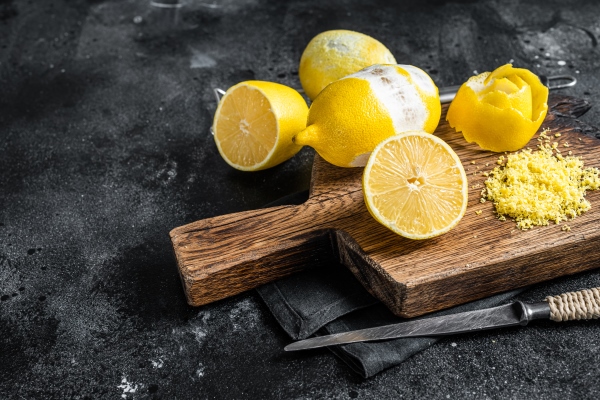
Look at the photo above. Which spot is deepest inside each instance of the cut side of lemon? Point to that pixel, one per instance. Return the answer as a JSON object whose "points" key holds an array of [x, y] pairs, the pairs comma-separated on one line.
{"points": [[255, 122], [415, 185]]}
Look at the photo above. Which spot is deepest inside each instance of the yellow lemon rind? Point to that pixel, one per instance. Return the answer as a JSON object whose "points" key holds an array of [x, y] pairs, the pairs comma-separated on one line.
{"points": [[487, 125], [496, 120]]}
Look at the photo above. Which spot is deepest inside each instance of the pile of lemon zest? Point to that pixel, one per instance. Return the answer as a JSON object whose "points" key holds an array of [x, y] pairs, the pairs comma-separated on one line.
{"points": [[535, 188]]}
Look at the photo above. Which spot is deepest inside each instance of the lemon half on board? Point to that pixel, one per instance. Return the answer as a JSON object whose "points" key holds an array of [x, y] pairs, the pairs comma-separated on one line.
{"points": [[415, 185], [255, 122]]}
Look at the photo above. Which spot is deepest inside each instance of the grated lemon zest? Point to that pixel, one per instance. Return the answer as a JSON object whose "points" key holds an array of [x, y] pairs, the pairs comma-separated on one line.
{"points": [[536, 187]]}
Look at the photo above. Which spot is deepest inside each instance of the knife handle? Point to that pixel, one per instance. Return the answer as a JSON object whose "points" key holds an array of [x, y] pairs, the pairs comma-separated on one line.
{"points": [[584, 304]]}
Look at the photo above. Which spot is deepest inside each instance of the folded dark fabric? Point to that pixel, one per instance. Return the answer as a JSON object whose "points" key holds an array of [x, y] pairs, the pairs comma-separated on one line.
{"points": [[329, 300]]}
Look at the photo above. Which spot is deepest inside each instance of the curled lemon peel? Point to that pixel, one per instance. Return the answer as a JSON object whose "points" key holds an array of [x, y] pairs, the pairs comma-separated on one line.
{"points": [[499, 110]]}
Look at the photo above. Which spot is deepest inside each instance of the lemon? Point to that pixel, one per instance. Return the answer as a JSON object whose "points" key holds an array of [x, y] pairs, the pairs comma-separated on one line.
{"points": [[415, 185], [354, 114], [255, 122], [500, 110], [332, 55]]}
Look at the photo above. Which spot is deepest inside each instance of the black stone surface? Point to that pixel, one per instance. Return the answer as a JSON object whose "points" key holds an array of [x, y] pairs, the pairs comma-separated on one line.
{"points": [[105, 108]]}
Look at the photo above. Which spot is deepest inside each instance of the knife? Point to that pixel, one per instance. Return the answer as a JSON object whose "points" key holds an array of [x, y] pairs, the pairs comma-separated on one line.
{"points": [[584, 304]]}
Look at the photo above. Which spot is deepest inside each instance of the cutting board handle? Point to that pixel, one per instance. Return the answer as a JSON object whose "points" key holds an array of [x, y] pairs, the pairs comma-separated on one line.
{"points": [[225, 255]]}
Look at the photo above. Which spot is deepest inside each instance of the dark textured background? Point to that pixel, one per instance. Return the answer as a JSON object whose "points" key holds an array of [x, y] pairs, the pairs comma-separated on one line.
{"points": [[104, 147]]}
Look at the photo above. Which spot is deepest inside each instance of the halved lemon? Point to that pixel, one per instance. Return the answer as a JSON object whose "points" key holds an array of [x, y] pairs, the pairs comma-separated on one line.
{"points": [[415, 185], [255, 122]]}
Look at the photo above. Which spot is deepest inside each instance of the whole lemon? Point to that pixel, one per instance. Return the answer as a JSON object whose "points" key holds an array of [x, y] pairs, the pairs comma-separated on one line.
{"points": [[354, 114], [331, 55]]}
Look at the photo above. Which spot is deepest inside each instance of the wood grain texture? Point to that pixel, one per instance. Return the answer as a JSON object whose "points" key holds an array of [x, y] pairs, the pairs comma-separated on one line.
{"points": [[225, 255]]}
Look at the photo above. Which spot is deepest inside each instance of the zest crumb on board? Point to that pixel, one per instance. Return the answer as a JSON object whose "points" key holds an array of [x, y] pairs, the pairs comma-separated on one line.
{"points": [[536, 187]]}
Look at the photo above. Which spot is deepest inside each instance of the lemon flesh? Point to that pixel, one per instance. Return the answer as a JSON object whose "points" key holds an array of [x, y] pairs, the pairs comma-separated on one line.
{"points": [[354, 114], [255, 122], [415, 185], [332, 55]]}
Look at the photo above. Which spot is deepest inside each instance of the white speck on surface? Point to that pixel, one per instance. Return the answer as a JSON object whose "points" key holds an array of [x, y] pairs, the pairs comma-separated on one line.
{"points": [[128, 387], [198, 325], [547, 54], [536, 57], [244, 314], [453, 344], [512, 60], [199, 334], [137, 19], [201, 60], [157, 363], [562, 63], [577, 71], [200, 370]]}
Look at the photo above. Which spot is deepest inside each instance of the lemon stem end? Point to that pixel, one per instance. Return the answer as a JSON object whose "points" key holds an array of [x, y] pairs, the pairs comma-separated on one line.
{"points": [[306, 137]]}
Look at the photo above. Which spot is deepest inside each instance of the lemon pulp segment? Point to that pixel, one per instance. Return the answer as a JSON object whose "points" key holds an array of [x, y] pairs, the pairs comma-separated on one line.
{"points": [[415, 185], [247, 129]]}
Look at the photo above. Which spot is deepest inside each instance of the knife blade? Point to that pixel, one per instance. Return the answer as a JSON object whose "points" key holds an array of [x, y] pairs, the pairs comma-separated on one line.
{"points": [[584, 304]]}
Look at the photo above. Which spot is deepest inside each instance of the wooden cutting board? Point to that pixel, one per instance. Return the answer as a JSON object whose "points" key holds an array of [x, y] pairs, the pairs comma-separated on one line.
{"points": [[222, 256]]}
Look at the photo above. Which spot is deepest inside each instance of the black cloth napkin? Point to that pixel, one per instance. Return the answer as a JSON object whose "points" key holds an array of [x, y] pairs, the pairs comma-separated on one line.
{"points": [[322, 301]]}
